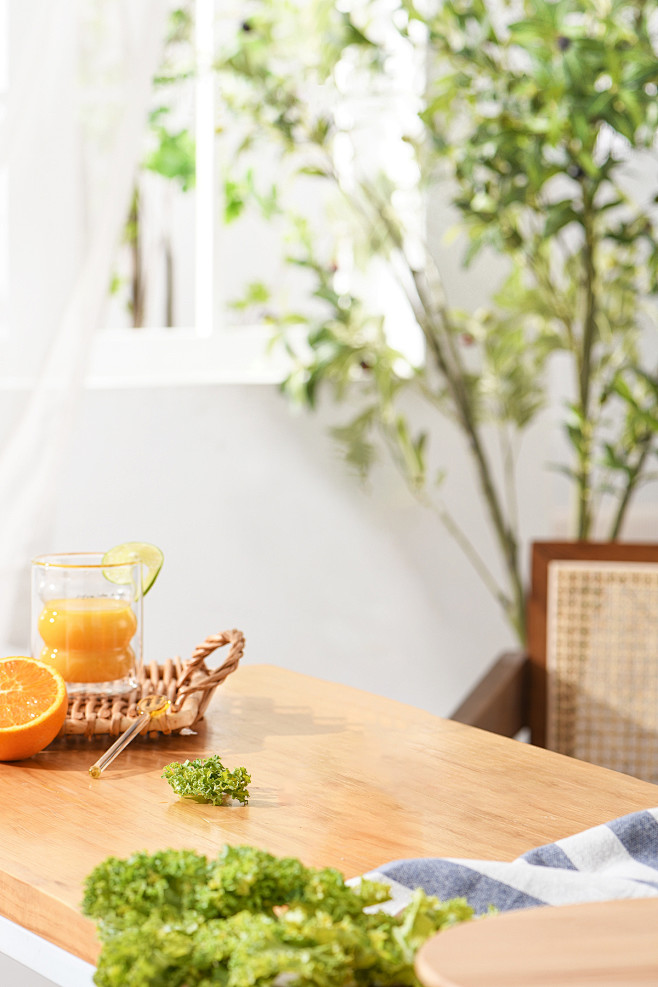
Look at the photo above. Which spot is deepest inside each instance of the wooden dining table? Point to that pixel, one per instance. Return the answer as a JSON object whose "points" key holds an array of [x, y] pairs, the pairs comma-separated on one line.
{"points": [[340, 777]]}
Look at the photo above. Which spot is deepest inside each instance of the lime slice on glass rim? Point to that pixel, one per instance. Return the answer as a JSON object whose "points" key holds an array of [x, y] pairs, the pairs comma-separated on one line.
{"points": [[127, 554]]}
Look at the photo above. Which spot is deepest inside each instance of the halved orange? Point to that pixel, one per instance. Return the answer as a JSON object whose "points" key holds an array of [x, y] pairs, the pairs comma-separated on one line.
{"points": [[33, 705]]}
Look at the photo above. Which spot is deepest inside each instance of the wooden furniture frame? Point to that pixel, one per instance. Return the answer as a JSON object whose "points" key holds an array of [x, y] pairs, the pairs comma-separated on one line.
{"points": [[516, 692]]}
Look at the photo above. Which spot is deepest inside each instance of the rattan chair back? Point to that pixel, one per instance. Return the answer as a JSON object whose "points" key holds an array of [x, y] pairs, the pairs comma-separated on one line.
{"points": [[593, 647]]}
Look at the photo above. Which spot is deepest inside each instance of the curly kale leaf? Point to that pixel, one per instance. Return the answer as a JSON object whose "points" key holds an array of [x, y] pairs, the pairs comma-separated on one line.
{"points": [[253, 949], [121, 893], [154, 954], [207, 780], [174, 882], [175, 919], [244, 877]]}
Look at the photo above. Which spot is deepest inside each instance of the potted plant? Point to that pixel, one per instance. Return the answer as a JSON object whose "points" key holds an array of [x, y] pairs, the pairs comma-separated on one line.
{"points": [[533, 114]]}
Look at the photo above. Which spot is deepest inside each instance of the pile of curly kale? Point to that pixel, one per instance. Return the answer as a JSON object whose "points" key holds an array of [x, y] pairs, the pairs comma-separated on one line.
{"points": [[207, 780], [250, 919]]}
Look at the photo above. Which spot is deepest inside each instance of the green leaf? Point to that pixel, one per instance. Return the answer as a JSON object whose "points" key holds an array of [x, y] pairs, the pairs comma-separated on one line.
{"points": [[248, 918], [613, 460], [174, 157], [207, 780], [560, 215], [355, 438], [256, 293]]}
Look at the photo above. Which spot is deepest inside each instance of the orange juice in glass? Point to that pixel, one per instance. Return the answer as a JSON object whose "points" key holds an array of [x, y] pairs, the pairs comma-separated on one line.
{"points": [[87, 620]]}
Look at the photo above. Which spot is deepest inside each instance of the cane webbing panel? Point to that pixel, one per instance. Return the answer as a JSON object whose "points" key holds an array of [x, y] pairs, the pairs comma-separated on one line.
{"points": [[602, 664]]}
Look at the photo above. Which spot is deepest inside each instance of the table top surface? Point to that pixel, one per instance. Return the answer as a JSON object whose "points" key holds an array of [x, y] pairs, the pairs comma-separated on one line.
{"points": [[340, 777]]}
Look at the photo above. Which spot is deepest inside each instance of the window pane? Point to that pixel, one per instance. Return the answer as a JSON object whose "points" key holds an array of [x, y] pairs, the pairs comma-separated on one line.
{"points": [[154, 280]]}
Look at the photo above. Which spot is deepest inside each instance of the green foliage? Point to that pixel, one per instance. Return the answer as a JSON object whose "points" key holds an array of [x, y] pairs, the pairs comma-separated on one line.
{"points": [[172, 151], [175, 918], [533, 113], [207, 780], [238, 193], [174, 155], [121, 893]]}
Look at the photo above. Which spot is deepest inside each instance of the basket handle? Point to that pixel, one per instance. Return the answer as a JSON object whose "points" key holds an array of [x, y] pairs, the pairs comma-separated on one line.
{"points": [[212, 678]]}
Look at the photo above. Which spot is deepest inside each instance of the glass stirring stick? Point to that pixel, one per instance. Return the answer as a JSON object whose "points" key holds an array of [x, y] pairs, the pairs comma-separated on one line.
{"points": [[148, 708]]}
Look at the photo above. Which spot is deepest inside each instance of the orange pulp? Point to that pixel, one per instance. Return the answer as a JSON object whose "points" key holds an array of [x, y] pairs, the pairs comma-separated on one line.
{"points": [[33, 706]]}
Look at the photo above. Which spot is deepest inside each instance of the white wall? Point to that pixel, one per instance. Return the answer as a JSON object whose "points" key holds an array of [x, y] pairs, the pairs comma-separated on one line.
{"points": [[261, 525], [264, 529]]}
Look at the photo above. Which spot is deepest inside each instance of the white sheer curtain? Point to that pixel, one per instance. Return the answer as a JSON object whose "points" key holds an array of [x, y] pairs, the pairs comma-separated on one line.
{"points": [[79, 85]]}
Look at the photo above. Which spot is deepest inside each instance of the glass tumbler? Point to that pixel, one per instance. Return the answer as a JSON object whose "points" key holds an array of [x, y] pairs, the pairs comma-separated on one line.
{"points": [[87, 620]]}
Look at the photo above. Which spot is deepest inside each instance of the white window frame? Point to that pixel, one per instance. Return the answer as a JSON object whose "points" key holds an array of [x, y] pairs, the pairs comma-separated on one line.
{"points": [[210, 351]]}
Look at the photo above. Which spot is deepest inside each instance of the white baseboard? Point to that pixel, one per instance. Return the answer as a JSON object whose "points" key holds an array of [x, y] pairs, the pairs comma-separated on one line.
{"points": [[27, 960]]}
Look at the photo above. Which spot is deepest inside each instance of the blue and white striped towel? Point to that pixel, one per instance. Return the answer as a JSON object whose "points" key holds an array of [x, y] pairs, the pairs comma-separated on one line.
{"points": [[616, 860]]}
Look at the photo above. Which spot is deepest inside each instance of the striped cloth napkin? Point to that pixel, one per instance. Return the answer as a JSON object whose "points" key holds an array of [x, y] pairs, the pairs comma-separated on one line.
{"points": [[616, 860]]}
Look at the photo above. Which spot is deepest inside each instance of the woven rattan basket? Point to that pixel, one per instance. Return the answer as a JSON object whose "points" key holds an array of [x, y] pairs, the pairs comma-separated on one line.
{"points": [[188, 685]]}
